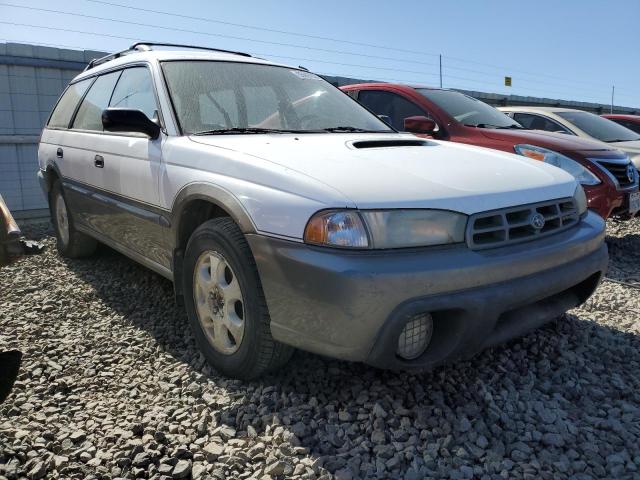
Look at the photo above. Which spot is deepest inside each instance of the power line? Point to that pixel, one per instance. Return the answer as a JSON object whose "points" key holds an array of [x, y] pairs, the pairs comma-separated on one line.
{"points": [[509, 69], [264, 29], [199, 32], [342, 52], [298, 58], [318, 37], [474, 81]]}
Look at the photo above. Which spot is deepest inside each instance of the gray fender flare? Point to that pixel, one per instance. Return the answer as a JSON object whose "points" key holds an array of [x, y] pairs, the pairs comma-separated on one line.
{"points": [[211, 193], [45, 176]]}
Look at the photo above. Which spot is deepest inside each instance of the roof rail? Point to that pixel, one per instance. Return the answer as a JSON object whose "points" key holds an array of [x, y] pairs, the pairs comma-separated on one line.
{"points": [[147, 46], [99, 61]]}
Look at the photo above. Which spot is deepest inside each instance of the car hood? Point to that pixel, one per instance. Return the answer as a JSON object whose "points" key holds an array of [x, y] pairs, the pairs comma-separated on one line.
{"points": [[558, 142], [434, 175], [632, 146]]}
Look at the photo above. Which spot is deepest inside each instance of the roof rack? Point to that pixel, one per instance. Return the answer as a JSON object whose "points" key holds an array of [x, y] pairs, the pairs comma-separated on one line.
{"points": [[147, 46]]}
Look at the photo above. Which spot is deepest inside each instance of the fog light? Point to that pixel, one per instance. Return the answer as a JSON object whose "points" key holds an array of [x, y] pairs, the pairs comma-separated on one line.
{"points": [[415, 336]]}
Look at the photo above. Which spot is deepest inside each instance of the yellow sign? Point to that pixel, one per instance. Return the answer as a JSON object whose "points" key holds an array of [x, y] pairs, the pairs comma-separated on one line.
{"points": [[507, 81]]}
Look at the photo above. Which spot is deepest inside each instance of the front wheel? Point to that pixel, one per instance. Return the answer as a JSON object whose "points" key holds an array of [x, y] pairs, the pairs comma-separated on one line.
{"points": [[70, 242], [225, 303]]}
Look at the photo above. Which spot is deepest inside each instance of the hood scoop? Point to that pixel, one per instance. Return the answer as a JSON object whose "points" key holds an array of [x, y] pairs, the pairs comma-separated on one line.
{"points": [[389, 143]]}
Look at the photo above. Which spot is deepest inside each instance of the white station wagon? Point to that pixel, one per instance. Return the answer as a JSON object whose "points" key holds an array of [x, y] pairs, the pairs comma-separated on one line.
{"points": [[287, 215]]}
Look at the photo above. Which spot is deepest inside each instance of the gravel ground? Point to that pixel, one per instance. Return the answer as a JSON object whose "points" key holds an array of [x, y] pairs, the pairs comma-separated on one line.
{"points": [[113, 386]]}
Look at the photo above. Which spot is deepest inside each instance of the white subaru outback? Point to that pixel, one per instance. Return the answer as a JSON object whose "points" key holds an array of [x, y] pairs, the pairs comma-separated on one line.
{"points": [[287, 215]]}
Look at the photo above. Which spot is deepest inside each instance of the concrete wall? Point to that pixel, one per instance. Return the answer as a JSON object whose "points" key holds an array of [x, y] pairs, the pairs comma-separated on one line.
{"points": [[31, 80]]}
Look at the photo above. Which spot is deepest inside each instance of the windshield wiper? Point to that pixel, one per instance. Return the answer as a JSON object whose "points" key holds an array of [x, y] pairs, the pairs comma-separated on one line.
{"points": [[238, 130], [348, 128], [621, 140], [489, 125]]}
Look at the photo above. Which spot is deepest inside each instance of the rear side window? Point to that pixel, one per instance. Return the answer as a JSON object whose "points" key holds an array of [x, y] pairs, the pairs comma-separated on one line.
{"points": [[630, 125], [135, 90], [89, 116], [537, 122], [63, 111]]}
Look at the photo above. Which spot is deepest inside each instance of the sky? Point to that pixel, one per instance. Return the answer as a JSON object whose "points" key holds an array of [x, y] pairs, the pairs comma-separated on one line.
{"points": [[571, 50]]}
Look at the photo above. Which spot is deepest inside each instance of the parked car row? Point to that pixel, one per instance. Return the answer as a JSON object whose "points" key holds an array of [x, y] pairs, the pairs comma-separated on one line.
{"points": [[580, 124], [288, 215], [606, 173]]}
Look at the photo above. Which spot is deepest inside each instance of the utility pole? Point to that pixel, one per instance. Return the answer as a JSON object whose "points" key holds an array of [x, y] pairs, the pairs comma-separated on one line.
{"points": [[613, 92], [440, 70]]}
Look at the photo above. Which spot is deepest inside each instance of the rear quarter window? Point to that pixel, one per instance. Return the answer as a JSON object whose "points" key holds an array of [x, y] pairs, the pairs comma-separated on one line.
{"points": [[67, 104]]}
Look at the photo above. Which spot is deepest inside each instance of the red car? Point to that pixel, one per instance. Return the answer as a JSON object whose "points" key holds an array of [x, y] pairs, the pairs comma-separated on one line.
{"points": [[607, 175], [632, 122]]}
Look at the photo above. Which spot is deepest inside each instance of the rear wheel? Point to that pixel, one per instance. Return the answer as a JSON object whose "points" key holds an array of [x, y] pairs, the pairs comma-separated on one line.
{"points": [[225, 303], [70, 242]]}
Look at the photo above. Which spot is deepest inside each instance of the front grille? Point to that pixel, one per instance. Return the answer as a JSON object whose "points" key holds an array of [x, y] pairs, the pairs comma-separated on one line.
{"points": [[508, 226], [619, 170]]}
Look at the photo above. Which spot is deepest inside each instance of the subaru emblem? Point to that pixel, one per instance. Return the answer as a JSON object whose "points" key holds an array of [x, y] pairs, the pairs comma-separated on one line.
{"points": [[537, 221], [630, 173]]}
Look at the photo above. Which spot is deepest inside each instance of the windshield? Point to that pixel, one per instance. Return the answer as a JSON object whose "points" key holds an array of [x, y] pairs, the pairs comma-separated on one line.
{"points": [[467, 110], [231, 97], [599, 127]]}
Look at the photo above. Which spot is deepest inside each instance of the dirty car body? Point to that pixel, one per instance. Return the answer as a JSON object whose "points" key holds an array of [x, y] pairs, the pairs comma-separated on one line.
{"points": [[366, 241]]}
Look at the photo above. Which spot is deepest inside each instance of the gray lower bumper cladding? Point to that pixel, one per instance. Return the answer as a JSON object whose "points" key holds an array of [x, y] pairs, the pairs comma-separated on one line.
{"points": [[353, 305]]}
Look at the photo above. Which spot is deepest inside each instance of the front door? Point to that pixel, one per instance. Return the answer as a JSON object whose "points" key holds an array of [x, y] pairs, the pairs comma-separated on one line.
{"points": [[129, 170]]}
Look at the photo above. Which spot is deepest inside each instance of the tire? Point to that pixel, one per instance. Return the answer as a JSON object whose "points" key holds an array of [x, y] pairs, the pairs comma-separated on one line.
{"points": [[70, 242], [225, 303]]}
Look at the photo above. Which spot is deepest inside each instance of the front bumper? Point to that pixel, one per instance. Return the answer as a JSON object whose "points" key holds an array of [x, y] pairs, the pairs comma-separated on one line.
{"points": [[353, 305], [607, 201]]}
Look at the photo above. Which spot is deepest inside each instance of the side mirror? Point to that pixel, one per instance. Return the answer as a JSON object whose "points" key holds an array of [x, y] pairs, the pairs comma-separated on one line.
{"points": [[129, 120], [419, 124]]}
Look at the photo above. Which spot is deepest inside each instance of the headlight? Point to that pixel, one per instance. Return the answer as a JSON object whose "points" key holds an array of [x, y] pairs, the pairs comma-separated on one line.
{"points": [[337, 228], [385, 228], [581, 200], [584, 176]]}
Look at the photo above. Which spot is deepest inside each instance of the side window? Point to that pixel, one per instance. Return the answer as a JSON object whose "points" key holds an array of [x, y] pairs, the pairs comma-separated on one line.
{"points": [[524, 119], [392, 105], [135, 90], [538, 122], [67, 104], [89, 116], [630, 125]]}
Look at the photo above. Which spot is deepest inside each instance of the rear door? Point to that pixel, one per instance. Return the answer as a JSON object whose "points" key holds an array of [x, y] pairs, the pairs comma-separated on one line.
{"points": [[56, 144], [84, 180]]}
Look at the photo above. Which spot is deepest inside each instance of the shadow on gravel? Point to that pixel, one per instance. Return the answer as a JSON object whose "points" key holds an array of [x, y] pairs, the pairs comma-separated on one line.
{"points": [[566, 387], [624, 253]]}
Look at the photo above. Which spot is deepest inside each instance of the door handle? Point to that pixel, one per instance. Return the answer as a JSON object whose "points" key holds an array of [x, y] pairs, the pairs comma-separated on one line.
{"points": [[59, 153], [98, 161]]}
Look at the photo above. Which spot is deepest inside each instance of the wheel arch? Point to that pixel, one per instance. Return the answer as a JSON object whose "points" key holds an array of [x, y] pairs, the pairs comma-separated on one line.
{"points": [[195, 204], [50, 174]]}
